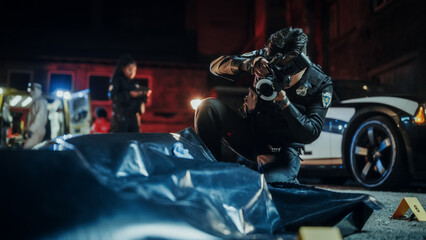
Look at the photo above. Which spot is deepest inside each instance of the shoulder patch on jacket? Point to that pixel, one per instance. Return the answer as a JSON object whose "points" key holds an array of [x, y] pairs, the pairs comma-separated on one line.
{"points": [[326, 99]]}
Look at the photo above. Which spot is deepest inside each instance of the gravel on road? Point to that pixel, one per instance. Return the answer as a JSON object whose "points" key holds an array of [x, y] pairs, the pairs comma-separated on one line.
{"points": [[381, 226]]}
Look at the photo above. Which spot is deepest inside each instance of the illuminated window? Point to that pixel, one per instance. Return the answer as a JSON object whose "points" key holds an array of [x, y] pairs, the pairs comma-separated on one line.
{"points": [[60, 82], [98, 86]]}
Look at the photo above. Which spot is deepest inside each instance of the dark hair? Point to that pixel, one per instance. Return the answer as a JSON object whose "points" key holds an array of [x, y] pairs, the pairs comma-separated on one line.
{"points": [[287, 40], [101, 112], [122, 62]]}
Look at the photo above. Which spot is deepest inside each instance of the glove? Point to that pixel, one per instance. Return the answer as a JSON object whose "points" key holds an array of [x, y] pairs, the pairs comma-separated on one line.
{"points": [[282, 100], [256, 66]]}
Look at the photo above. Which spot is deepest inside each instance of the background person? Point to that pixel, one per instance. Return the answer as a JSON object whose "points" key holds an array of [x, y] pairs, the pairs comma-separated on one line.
{"points": [[5, 122], [101, 124], [272, 133], [126, 96], [37, 117]]}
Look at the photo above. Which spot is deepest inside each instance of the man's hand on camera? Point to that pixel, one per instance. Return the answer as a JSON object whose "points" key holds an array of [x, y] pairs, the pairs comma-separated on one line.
{"points": [[260, 67], [282, 100], [280, 96], [256, 66]]}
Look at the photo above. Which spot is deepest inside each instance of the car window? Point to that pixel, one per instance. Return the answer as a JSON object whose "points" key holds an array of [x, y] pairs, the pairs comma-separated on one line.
{"points": [[348, 89]]}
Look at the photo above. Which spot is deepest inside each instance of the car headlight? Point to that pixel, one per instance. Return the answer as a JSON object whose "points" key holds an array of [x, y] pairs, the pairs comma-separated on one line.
{"points": [[419, 117]]}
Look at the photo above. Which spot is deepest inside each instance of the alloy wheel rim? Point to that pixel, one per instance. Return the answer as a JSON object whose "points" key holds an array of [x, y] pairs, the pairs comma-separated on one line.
{"points": [[373, 153]]}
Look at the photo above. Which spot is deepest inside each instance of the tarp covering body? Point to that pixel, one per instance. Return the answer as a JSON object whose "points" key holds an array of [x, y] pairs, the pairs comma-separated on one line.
{"points": [[162, 185]]}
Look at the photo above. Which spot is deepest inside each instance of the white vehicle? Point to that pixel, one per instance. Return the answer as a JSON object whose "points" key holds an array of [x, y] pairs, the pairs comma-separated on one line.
{"points": [[371, 132]]}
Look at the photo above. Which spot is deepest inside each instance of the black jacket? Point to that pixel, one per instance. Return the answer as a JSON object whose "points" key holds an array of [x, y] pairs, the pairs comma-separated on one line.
{"points": [[298, 124], [123, 103]]}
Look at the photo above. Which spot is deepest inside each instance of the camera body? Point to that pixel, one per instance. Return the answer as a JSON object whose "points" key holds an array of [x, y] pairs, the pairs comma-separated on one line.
{"points": [[280, 75]]}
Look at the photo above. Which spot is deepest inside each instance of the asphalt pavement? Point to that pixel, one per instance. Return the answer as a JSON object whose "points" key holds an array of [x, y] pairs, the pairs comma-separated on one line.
{"points": [[380, 225]]}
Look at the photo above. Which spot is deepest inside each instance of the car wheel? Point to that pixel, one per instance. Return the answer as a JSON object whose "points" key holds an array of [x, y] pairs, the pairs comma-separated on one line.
{"points": [[377, 155]]}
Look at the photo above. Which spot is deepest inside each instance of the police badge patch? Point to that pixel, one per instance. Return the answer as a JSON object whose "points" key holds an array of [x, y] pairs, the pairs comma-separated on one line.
{"points": [[326, 99], [302, 90]]}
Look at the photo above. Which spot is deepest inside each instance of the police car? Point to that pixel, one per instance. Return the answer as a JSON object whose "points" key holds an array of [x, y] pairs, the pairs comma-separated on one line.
{"points": [[372, 132]]}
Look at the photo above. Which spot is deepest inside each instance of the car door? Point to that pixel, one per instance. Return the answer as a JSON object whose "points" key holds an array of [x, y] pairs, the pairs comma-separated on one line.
{"points": [[327, 149]]}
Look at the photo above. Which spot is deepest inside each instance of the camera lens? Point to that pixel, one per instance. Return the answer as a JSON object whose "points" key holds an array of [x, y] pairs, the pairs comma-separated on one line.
{"points": [[266, 89]]}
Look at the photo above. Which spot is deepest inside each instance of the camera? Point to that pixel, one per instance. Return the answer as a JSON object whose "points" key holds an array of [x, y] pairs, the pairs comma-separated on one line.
{"points": [[280, 75]]}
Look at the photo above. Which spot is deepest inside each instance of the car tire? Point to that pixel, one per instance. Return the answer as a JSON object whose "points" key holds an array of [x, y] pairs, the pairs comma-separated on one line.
{"points": [[377, 155]]}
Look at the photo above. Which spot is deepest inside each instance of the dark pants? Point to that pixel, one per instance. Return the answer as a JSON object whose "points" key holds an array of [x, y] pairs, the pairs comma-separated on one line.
{"points": [[124, 123], [215, 122]]}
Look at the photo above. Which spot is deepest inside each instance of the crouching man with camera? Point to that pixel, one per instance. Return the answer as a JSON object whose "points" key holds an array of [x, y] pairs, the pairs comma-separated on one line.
{"points": [[285, 107]]}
